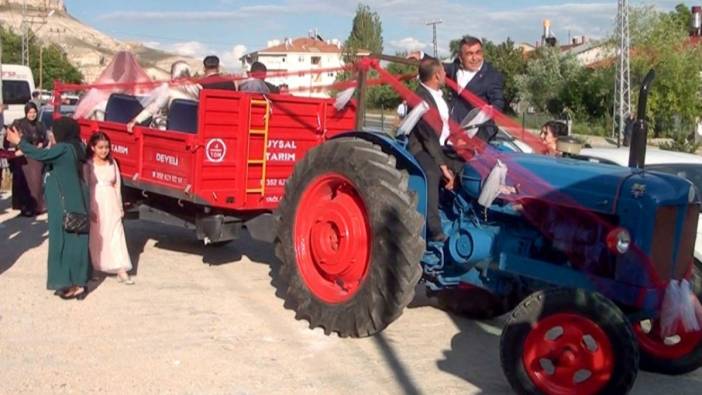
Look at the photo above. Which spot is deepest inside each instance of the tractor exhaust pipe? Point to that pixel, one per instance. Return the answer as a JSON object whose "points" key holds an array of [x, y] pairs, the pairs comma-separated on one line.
{"points": [[637, 149]]}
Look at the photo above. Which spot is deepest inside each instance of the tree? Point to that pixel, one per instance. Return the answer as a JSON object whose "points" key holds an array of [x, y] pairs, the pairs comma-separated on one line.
{"points": [[366, 33], [660, 41], [682, 16], [384, 96], [551, 81], [56, 65]]}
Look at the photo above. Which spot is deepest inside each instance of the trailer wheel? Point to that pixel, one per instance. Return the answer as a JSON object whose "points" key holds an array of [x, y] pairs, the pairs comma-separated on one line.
{"points": [[678, 354], [349, 239], [472, 302], [565, 341]]}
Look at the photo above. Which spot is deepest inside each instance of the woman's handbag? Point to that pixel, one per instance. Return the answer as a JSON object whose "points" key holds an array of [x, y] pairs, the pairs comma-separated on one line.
{"points": [[74, 222]]}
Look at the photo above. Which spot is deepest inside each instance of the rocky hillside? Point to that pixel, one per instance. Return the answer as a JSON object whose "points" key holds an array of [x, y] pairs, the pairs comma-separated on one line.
{"points": [[87, 48]]}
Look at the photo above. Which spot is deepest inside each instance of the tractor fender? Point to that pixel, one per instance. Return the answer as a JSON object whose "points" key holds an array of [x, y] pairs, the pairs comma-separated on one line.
{"points": [[405, 161]]}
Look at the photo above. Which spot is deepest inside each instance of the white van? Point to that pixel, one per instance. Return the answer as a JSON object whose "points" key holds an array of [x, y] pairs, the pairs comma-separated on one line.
{"points": [[17, 88]]}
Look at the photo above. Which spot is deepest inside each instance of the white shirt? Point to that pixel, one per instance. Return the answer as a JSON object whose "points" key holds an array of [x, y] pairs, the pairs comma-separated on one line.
{"points": [[464, 77], [441, 105]]}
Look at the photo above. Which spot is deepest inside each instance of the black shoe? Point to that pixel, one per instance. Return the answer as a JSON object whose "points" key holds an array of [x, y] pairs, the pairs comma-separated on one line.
{"points": [[83, 294]]}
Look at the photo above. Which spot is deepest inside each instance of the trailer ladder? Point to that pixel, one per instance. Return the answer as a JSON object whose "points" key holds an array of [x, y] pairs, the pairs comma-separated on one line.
{"points": [[265, 104]]}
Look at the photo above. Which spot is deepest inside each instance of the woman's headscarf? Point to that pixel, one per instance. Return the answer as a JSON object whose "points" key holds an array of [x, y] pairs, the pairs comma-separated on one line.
{"points": [[66, 130], [31, 105]]}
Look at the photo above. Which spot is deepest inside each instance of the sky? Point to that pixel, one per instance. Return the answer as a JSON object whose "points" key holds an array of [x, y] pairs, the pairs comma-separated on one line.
{"points": [[230, 28]]}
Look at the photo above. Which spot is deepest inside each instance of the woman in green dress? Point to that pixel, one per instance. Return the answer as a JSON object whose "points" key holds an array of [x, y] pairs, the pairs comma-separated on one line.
{"points": [[64, 191]]}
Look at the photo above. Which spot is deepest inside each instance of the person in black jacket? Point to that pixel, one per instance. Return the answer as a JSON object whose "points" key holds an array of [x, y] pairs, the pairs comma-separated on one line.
{"points": [[27, 173], [425, 141], [472, 72], [213, 78]]}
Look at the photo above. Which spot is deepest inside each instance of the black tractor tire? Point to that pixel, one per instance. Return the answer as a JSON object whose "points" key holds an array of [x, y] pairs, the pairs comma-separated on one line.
{"points": [[557, 305], [395, 244], [473, 302], [653, 361]]}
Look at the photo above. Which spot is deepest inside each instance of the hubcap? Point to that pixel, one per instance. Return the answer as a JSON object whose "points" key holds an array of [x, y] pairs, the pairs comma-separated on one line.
{"points": [[568, 354], [332, 238]]}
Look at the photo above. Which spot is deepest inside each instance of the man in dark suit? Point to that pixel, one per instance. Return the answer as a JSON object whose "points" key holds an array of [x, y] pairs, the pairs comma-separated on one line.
{"points": [[472, 72], [213, 78], [425, 141]]}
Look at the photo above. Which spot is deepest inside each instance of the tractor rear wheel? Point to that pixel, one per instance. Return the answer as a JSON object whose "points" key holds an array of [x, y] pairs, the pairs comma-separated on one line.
{"points": [[349, 239], [568, 341]]}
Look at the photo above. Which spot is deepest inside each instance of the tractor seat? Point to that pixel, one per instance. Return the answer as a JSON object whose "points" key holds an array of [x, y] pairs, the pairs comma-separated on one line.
{"points": [[122, 108], [182, 116]]}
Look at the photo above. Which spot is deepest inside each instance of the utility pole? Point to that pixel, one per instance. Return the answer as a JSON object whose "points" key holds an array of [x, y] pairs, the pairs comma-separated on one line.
{"points": [[24, 26], [433, 25], [622, 79]]}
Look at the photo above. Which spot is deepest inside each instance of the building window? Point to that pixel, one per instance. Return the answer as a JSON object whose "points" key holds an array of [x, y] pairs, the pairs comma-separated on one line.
{"points": [[300, 58], [331, 74], [316, 60]]}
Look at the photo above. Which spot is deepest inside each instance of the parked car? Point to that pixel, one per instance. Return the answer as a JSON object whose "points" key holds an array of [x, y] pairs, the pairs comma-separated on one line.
{"points": [[679, 163], [46, 113]]}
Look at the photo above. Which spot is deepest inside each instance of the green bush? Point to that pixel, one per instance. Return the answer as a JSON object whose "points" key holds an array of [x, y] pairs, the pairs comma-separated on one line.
{"points": [[680, 144]]}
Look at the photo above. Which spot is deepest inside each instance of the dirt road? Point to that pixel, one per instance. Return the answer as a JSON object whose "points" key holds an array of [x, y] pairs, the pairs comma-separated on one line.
{"points": [[206, 321]]}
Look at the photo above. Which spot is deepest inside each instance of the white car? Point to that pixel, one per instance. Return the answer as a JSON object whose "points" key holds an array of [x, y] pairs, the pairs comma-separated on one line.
{"points": [[679, 163]]}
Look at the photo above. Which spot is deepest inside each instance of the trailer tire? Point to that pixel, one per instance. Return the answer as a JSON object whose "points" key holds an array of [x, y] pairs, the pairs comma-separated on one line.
{"points": [[556, 334], [349, 239]]}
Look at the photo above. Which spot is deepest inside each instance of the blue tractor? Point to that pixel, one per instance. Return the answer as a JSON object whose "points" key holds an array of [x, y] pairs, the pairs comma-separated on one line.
{"points": [[580, 256]]}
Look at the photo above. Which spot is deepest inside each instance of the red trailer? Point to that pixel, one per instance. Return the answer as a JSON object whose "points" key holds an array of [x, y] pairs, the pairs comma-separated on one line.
{"points": [[221, 163]]}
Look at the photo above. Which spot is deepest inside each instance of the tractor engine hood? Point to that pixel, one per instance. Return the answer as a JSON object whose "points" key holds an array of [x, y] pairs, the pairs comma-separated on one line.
{"points": [[597, 187]]}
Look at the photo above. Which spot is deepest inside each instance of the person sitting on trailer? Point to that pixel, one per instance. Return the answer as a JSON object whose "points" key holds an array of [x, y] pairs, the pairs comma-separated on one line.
{"points": [[160, 99], [213, 78], [257, 80]]}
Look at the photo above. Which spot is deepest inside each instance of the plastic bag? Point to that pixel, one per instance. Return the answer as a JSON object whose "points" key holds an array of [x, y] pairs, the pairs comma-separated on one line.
{"points": [[681, 309], [670, 309], [493, 185], [412, 118], [343, 98]]}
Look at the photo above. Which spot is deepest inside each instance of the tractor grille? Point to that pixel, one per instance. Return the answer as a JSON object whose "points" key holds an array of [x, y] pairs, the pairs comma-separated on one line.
{"points": [[664, 246]]}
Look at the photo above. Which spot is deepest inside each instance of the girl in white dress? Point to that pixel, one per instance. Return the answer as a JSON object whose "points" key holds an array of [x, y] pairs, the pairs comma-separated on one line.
{"points": [[108, 247]]}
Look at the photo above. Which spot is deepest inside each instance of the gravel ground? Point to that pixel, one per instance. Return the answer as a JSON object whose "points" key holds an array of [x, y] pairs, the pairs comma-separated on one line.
{"points": [[204, 320]]}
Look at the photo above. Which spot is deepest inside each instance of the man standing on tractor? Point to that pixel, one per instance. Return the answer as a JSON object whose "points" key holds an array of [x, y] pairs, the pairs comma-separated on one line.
{"points": [[471, 72]]}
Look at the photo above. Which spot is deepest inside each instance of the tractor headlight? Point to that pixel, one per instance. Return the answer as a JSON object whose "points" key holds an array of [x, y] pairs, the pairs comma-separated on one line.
{"points": [[619, 240]]}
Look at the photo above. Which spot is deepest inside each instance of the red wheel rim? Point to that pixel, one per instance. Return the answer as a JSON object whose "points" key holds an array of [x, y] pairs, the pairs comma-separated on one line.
{"points": [[568, 354], [671, 348], [332, 238]]}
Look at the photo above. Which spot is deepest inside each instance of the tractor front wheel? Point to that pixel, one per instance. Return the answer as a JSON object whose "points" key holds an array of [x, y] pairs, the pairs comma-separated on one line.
{"points": [[568, 341], [677, 354], [349, 239]]}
